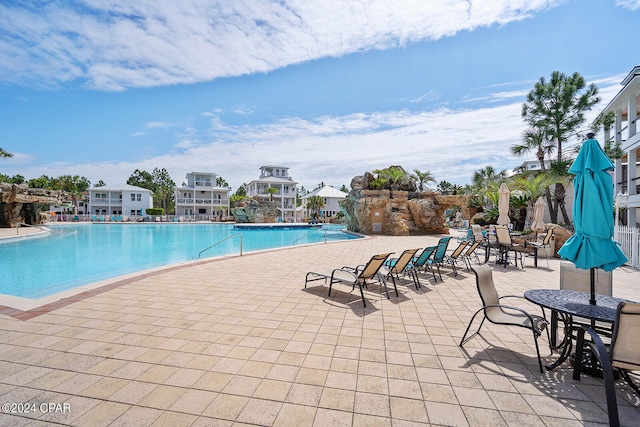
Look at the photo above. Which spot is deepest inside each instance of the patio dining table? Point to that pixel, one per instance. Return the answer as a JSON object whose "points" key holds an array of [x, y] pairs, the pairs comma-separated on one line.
{"points": [[567, 305]]}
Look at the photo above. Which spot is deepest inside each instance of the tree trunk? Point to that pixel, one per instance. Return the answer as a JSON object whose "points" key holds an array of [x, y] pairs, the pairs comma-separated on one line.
{"points": [[553, 210]]}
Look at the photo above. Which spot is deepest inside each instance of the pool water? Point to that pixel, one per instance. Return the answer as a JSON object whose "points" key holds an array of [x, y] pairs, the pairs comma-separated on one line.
{"points": [[76, 255]]}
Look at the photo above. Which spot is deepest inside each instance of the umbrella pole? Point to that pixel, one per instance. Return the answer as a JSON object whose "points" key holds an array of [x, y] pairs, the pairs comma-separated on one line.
{"points": [[592, 279]]}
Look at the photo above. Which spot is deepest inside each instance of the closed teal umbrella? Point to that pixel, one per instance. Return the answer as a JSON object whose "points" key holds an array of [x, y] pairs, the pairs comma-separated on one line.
{"points": [[592, 246]]}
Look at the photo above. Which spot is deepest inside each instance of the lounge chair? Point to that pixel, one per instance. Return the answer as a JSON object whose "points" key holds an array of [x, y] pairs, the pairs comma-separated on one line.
{"points": [[361, 276], [457, 256], [501, 314], [476, 230], [392, 268], [472, 252], [623, 354], [439, 255], [421, 262]]}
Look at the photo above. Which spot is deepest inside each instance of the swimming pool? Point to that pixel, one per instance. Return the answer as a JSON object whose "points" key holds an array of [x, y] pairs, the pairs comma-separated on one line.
{"points": [[76, 255]]}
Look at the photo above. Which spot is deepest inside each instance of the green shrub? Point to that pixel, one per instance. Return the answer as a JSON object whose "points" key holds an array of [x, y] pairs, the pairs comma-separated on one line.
{"points": [[154, 211]]}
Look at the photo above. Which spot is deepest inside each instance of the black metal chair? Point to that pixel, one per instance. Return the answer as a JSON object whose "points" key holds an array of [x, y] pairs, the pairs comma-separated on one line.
{"points": [[623, 353], [506, 245], [501, 314], [543, 246]]}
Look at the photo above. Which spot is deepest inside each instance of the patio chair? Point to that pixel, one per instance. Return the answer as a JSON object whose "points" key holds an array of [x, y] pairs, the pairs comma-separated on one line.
{"points": [[476, 230], [457, 256], [392, 268], [360, 275], [421, 262], [544, 245], [501, 314], [623, 353], [440, 253], [472, 252], [506, 245], [467, 236]]}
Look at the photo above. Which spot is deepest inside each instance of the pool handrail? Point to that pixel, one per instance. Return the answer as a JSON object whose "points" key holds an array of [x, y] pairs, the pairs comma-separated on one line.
{"points": [[223, 240], [309, 234]]}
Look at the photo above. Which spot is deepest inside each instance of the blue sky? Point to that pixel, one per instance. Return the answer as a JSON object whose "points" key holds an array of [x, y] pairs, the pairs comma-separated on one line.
{"points": [[329, 88]]}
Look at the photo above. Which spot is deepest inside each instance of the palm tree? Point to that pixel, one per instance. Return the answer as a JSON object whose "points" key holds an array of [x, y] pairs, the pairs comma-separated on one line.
{"points": [[422, 178], [271, 191], [536, 139], [534, 186], [445, 187], [558, 108], [393, 175], [488, 177], [315, 203], [5, 153]]}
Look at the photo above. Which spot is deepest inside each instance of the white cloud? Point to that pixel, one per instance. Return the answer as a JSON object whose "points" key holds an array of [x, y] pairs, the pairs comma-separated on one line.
{"points": [[629, 4], [114, 45], [452, 144], [157, 125]]}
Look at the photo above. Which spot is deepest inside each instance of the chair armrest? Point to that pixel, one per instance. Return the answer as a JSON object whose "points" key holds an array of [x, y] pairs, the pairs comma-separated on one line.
{"points": [[349, 268], [523, 298], [511, 296], [531, 317]]}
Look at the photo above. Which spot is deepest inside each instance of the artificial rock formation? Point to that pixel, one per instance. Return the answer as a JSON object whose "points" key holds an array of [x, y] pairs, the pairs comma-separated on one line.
{"points": [[255, 211], [399, 213], [18, 203]]}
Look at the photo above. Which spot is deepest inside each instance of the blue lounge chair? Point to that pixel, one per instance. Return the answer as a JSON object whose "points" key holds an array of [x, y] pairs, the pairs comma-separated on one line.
{"points": [[392, 268], [422, 261], [440, 254]]}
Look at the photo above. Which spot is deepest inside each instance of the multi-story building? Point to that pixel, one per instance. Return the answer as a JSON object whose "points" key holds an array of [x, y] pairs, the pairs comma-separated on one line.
{"points": [[625, 106], [285, 190], [123, 199], [331, 198], [201, 197]]}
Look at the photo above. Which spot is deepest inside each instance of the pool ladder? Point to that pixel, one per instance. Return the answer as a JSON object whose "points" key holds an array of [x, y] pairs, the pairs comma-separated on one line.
{"points": [[221, 241]]}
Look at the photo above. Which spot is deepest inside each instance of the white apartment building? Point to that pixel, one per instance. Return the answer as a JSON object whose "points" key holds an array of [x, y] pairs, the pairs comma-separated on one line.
{"points": [[626, 105], [331, 198], [201, 197], [285, 196], [123, 199]]}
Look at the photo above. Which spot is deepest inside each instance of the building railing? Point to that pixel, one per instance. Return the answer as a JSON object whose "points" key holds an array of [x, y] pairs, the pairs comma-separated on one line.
{"points": [[106, 200], [192, 201], [629, 243]]}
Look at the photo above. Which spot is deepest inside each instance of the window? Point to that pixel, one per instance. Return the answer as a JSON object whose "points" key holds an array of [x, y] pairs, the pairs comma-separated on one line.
{"points": [[136, 197]]}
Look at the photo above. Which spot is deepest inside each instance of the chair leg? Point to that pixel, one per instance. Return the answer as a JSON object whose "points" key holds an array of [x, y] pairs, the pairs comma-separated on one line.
{"points": [[362, 295], [463, 340], [535, 340], [627, 378], [416, 279]]}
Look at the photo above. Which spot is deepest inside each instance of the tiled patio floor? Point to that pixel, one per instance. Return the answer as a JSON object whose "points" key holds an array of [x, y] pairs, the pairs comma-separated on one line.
{"points": [[239, 341]]}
